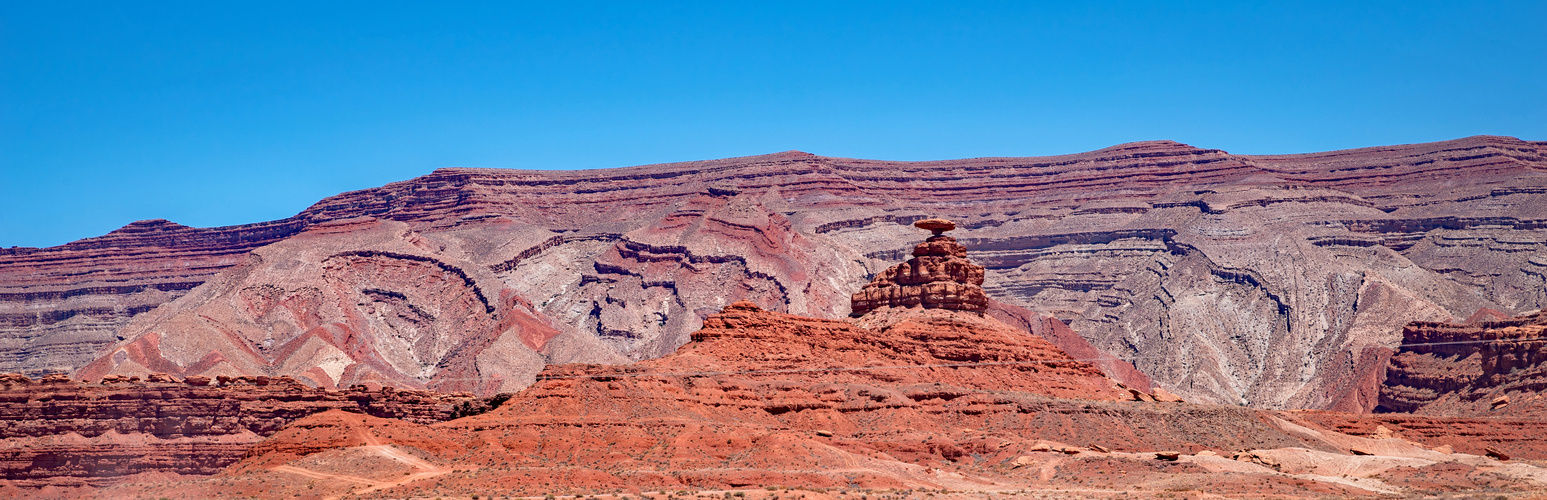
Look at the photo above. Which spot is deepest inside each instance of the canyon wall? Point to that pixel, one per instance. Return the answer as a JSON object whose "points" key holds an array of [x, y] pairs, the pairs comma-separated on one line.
{"points": [[1258, 280]]}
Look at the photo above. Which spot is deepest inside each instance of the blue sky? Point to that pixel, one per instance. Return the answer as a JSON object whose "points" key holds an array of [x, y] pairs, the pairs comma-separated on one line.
{"points": [[218, 113]]}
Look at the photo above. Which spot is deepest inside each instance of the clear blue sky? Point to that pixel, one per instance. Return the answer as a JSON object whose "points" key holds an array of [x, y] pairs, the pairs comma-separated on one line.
{"points": [[217, 113]]}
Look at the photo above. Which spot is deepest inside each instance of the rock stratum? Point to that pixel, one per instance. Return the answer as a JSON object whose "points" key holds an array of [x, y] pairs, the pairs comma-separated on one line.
{"points": [[939, 276], [925, 390], [1268, 281], [60, 433], [902, 400], [1492, 366]]}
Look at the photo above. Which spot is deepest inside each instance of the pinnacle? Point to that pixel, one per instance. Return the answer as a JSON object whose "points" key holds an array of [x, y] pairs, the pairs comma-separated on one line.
{"points": [[939, 276]]}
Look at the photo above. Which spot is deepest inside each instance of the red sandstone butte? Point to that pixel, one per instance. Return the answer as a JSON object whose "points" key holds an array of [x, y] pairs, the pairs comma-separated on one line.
{"points": [[1269, 281], [1483, 368]]}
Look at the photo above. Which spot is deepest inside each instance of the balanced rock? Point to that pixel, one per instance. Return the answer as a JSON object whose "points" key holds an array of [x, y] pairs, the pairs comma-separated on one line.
{"points": [[939, 226], [939, 276]]}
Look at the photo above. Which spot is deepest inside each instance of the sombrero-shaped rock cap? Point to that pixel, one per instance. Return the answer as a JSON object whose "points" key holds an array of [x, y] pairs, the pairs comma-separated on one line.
{"points": [[936, 225]]}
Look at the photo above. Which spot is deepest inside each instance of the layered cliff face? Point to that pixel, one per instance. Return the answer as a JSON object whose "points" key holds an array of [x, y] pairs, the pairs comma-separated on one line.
{"points": [[61, 433], [1482, 368], [1262, 280], [761, 398], [60, 306]]}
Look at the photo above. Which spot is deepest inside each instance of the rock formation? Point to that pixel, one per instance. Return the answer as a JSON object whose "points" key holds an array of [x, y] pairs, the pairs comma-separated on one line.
{"points": [[351, 302], [63, 433], [1482, 368], [1270, 281], [773, 404], [939, 276]]}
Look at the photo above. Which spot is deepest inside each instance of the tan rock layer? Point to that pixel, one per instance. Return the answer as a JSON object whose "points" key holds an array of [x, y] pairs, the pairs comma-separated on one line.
{"points": [[1517, 437]]}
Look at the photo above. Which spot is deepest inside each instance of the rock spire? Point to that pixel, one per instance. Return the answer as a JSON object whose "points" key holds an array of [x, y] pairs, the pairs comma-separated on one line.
{"points": [[939, 276]]}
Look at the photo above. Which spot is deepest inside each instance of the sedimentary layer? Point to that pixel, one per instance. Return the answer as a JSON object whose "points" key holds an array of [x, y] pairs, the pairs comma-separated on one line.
{"points": [[1258, 280], [939, 276], [62, 433], [1483, 368], [350, 302], [899, 399]]}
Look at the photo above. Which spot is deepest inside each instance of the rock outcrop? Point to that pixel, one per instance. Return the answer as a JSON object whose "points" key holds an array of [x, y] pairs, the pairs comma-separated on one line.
{"points": [[354, 302], [939, 276], [63, 433], [60, 306], [1270, 281], [762, 398], [1482, 368], [899, 399]]}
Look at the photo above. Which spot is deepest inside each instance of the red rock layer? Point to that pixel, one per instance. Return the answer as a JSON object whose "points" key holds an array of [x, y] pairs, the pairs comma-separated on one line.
{"points": [[1483, 368], [1518, 438], [939, 276], [903, 399], [898, 399], [61, 433]]}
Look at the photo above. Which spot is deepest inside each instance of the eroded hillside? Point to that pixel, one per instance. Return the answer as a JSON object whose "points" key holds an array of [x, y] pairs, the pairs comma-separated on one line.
{"points": [[1259, 280]]}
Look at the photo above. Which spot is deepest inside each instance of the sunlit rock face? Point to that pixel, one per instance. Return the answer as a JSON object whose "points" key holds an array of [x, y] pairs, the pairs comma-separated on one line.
{"points": [[939, 276], [1258, 280], [64, 433], [1491, 366]]}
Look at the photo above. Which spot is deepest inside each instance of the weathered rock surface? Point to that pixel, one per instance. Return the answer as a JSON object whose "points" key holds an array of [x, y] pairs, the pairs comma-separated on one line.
{"points": [[1270, 281], [350, 302], [60, 306], [897, 399], [1482, 368], [69, 434], [939, 276], [1059, 334]]}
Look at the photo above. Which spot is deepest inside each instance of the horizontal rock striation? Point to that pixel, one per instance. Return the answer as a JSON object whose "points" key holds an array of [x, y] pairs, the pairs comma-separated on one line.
{"points": [[897, 399], [63, 433], [59, 306], [939, 276], [1483, 368], [362, 301], [761, 398], [1519, 438], [1258, 280]]}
